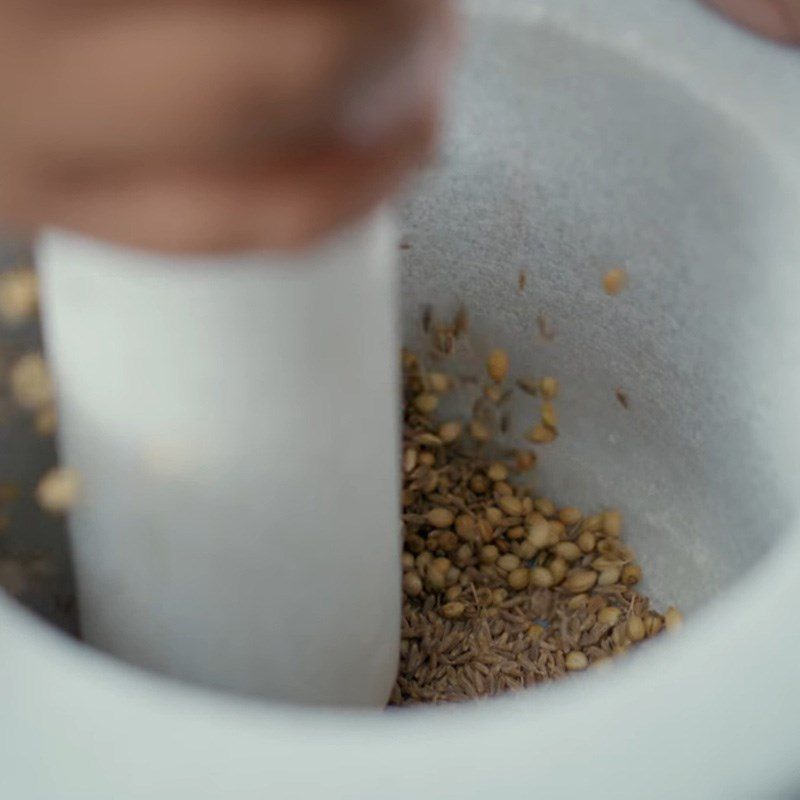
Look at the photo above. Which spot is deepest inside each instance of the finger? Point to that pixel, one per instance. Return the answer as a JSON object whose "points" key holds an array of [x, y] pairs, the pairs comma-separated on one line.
{"points": [[181, 82], [283, 205], [778, 19]]}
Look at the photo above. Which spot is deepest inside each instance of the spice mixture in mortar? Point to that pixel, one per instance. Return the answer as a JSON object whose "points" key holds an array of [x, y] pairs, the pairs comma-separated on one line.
{"points": [[502, 588]]}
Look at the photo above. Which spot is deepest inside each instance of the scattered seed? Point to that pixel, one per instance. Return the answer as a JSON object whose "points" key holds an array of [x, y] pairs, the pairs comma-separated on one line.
{"points": [[673, 619], [426, 403], [453, 610], [615, 280], [612, 522], [542, 434], [522, 279], [58, 490], [440, 517], [581, 580], [576, 661], [549, 387], [622, 398], [546, 330], [450, 431], [549, 415], [30, 382], [497, 365], [19, 295]]}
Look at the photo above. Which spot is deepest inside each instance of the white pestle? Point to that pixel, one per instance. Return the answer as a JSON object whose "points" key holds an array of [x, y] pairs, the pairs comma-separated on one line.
{"points": [[234, 423]]}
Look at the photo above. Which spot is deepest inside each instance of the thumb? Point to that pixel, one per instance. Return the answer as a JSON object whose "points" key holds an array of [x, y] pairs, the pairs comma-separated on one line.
{"points": [[778, 19]]}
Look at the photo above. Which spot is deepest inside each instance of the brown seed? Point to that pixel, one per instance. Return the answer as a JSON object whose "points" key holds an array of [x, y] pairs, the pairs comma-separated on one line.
{"points": [[528, 386], [612, 522], [593, 524], [524, 460], [58, 490], [478, 431], [576, 661], [428, 459], [465, 527], [508, 562], [453, 593], [673, 619], [546, 329], [586, 541], [412, 584], [510, 505], [448, 541], [489, 554], [653, 624], [410, 460], [19, 295], [453, 610], [544, 506], [569, 551], [441, 564], [580, 580], [535, 631], [519, 578], [615, 280], [450, 431], [542, 578], [426, 403], [451, 576], [541, 434], [557, 529], [440, 517], [30, 382], [527, 550], [558, 569], [570, 515], [463, 555], [631, 574], [515, 533], [609, 615], [539, 534], [549, 415], [439, 382], [636, 630], [46, 421], [407, 560], [437, 580], [522, 279], [479, 483], [494, 516], [503, 489], [549, 387], [608, 577], [485, 530], [497, 471], [497, 365]]}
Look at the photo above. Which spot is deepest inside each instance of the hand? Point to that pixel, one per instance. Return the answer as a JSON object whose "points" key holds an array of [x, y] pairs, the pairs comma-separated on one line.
{"points": [[778, 19], [213, 124]]}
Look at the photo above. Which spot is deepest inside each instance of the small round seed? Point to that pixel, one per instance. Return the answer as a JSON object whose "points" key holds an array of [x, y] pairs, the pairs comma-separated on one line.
{"points": [[539, 534], [450, 431], [410, 457], [407, 560], [631, 574], [426, 403], [569, 551], [463, 555], [612, 522], [545, 506], [580, 580], [576, 661], [478, 431], [615, 280], [30, 382], [499, 596], [465, 527], [485, 530], [453, 610], [494, 515], [549, 415], [570, 515], [549, 387], [436, 579], [542, 578], [608, 577], [497, 471], [439, 382], [519, 578], [412, 584], [636, 630], [673, 619], [510, 505], [586, 541], [58, 490], [558, 569], [497, 365], [541, 434], [609, 615], [508, 562], [524, 460], [448, 541], [440, 517], [535, 631], [479, 483], [451, 576], [653, 624], [19, 296], [453, 593], [527, 550], [503, 489], [489, 554], [593, 524], [515, 533], [427, 459], [423, 561]]}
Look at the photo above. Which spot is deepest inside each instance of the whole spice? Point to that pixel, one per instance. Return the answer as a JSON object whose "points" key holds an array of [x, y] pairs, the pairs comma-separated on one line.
{"points": [[502, 588], [615, 280]]}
